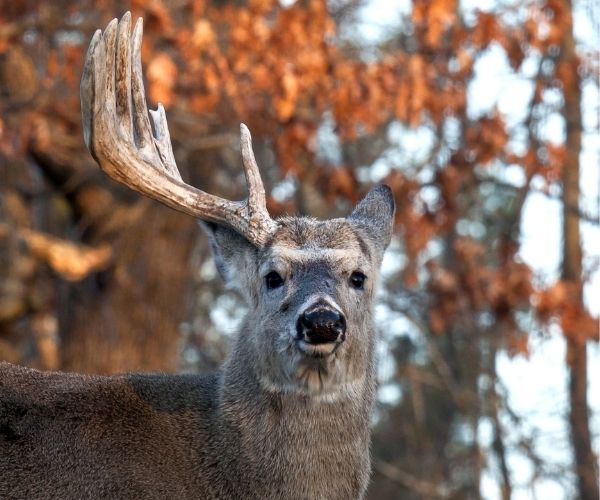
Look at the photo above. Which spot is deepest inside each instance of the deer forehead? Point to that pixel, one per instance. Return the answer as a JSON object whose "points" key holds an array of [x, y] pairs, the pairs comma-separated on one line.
{"points": [[301, 241], [343, 259], [304, 233]]}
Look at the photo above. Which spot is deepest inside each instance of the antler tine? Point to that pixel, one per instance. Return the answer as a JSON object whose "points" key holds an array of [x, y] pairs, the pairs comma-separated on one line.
{"points": [[145, 141], [87, 90], [118, 133], [257, 201], [162, 141]]}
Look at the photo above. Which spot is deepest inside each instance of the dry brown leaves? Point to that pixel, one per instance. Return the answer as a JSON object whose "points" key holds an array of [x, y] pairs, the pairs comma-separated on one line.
{"points": [[562, 302]]}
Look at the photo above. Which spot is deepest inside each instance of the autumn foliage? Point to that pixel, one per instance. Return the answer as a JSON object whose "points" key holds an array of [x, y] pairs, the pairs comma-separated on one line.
{"points": [[288, 72]]}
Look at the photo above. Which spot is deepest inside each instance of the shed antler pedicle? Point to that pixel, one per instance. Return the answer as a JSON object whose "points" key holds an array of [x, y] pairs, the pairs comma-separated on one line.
{"points": [[117, 131]]}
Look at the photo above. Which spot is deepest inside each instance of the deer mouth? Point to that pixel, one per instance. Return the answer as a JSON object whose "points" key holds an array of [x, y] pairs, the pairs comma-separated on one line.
{"points": [[322, 350]]}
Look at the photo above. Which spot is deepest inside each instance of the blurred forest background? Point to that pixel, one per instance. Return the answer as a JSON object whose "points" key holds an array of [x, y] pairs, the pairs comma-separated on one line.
{"points": [[338, 95]]}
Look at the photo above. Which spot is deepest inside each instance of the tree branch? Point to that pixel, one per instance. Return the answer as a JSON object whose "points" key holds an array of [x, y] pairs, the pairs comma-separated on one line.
{"points": [[408, 481]]}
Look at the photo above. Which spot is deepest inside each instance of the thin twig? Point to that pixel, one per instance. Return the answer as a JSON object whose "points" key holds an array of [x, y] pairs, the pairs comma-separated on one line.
{"points": [[411, 482]]}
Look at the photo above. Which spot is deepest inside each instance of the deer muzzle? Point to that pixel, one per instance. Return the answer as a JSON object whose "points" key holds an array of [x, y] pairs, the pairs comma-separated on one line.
{"points": [[321, 324]]}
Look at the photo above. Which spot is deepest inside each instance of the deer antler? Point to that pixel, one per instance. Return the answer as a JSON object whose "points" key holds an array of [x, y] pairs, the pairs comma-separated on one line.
{"points": [[117, 131]]}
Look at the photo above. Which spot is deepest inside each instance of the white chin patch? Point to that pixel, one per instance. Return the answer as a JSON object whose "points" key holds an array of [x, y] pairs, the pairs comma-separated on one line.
{"points": [[317, 369], [314, 379], [307, 369]]}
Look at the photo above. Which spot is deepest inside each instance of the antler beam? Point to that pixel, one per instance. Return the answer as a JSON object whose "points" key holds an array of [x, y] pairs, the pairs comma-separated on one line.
{"points": [[118, 133]]}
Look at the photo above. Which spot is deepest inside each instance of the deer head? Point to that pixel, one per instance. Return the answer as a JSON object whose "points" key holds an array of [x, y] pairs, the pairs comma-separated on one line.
{"points": [[310, 292]]}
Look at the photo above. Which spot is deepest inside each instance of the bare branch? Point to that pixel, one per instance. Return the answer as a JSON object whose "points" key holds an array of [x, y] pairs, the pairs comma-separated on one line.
{"points": [[574, 210], [70, 260], [411, 482]]}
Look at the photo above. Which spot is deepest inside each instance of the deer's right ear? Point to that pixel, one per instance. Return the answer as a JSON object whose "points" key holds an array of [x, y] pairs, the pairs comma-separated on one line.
{"points": [[232, 252], [374, 215]]}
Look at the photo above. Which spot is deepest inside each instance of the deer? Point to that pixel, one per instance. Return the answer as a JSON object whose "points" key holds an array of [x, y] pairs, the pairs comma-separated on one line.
{"points": [[288, 413]]}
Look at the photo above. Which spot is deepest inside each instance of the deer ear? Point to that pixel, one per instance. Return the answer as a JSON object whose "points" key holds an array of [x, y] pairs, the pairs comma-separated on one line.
{"points": [[232, 252], [374, 216]]}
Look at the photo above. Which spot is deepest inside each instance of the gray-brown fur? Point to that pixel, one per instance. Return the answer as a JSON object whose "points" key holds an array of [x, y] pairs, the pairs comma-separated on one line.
{"points": [[256, 429]]}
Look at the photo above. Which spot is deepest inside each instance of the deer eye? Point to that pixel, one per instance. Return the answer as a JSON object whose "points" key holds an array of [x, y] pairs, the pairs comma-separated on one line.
{"points": [[273, 280], [357, 280]]}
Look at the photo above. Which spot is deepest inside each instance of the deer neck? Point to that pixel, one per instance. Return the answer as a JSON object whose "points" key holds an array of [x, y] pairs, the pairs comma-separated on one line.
{"points": [[318, 444]]}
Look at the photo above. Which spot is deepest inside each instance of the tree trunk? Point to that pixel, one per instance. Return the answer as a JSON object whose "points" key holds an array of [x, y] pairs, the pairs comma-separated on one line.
{"points": [[585, 461], [127, 317]]}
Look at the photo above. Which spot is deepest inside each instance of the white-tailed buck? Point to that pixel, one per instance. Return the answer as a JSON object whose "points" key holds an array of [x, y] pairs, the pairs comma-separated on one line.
{"points": [[287, 416]]}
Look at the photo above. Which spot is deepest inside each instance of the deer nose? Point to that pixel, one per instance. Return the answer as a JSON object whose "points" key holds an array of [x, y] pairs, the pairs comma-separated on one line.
{"points": [[322, 325]]}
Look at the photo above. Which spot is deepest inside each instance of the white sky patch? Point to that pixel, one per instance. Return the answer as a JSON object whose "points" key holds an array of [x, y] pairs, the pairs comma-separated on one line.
{"points": [[542, 400], [585, 32], [379, 170], [515, 97], [514, 174], [541, 237], [552, 129], [491, 71], [328, 144], [469, 7], [393, 260], [284, 189], [414, 143], [377, 19]]}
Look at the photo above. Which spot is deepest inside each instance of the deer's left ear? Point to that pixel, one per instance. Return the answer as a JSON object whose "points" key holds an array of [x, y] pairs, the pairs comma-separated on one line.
{"points": [[232, 252], [374, 216]]}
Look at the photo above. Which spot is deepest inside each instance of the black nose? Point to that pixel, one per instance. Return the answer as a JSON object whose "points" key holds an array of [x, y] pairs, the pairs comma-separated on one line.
{"points": [[322, 325]]}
